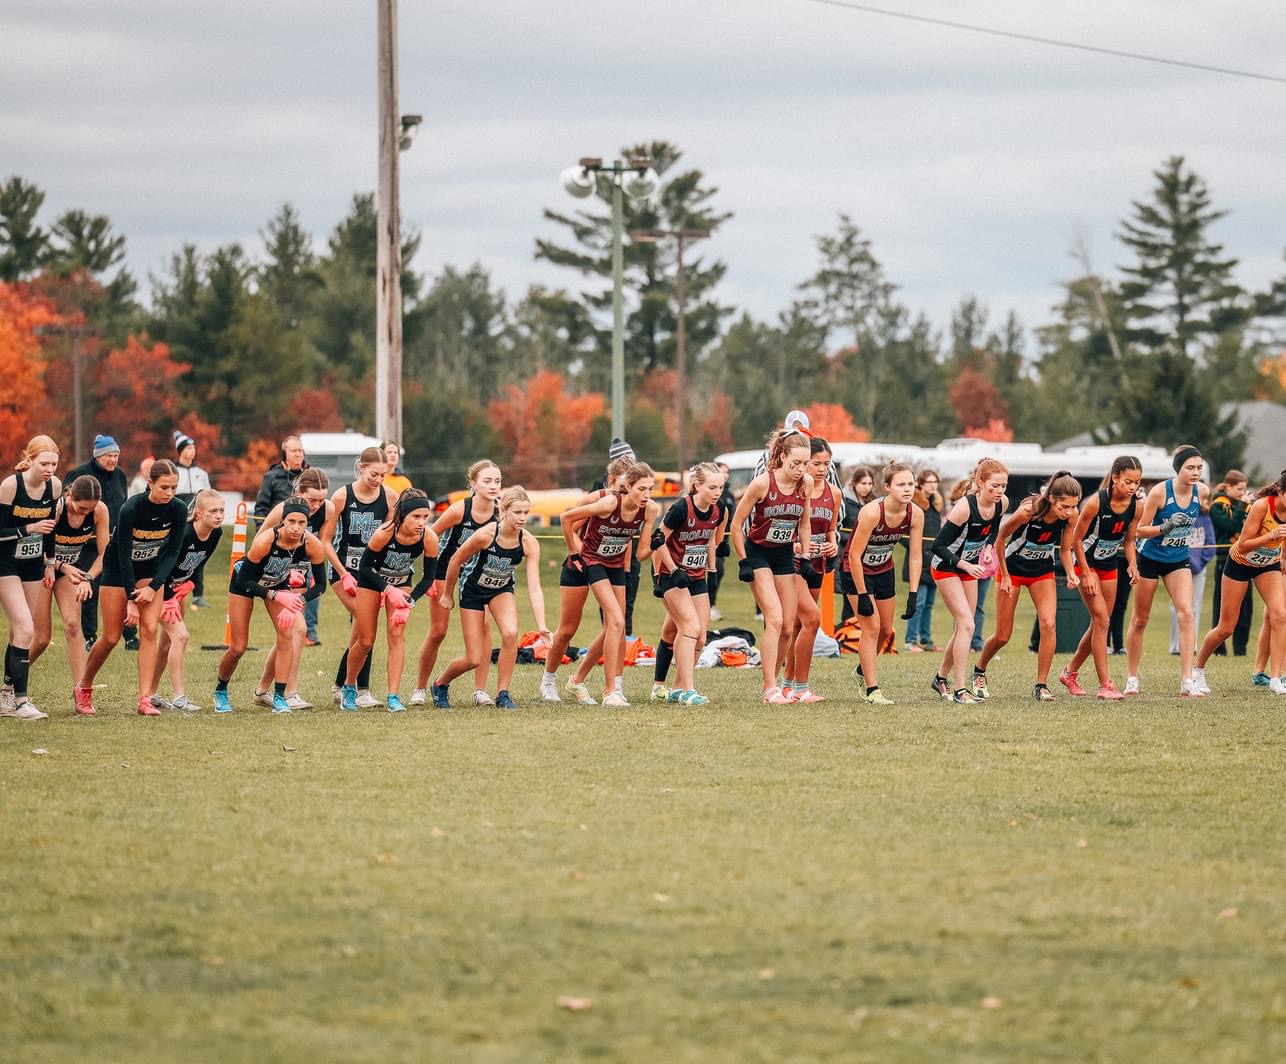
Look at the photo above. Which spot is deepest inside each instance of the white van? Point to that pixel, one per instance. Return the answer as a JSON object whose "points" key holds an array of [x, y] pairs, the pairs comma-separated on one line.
{"points": [[336, 453]]}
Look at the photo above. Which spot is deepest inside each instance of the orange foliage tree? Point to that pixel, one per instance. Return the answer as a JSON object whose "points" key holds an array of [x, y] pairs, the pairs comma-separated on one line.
{"points": [[833, 423], [545, 428], [980, 408], [22, 367], [136, 400]]}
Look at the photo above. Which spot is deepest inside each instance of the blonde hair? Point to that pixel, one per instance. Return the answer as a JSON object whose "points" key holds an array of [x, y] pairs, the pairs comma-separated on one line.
{"points": [[311, 478], [983, 472], [637, 471], [700, 473], [478, 467], [36, 446], [370, 456], [618, 467], [205, 498], [513, 495]]}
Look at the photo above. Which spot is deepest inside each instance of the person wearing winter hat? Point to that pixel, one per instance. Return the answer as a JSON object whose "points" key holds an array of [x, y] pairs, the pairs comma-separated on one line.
{"points": [[104, 467], [192, 480]]}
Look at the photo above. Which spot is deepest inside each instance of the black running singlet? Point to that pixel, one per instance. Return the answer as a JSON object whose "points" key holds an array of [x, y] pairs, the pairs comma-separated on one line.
{"points": [[491, 571], [1107, 533], [454, 536], [357, 522]]}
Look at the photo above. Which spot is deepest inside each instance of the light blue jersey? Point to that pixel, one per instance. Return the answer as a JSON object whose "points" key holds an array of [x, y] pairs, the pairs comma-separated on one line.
{"points": [[1173, 546]]}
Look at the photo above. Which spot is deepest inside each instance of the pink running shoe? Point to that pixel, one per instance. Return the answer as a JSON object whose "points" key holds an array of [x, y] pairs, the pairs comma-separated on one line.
{"points": [[1068, 680], [1109, 693], [809, 696], [83, 697], [775, 697], [790, 694], [145, 707]]}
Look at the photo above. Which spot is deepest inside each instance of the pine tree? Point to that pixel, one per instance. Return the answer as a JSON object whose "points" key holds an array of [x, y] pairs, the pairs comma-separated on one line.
{"points": [[23, 242]]}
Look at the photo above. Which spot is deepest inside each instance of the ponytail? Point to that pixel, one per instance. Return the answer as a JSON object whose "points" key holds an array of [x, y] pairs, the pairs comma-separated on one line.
{"points": [[1062, 485], [1276, 488], [1125, 463], [983, 472]]}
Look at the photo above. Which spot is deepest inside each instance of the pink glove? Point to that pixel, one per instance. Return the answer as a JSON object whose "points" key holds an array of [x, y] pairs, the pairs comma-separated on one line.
{"points": [[291, 606], [348, 584], [183, 590], [397, 598], [172, 610], [296, 578], [400, 616]]}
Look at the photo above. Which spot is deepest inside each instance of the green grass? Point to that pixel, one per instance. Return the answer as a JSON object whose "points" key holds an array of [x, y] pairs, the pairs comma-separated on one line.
{"points": [[736, 883]]}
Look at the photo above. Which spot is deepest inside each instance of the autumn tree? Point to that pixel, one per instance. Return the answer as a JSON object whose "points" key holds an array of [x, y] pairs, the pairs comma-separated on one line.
{"points": [[135, 397], [21, 365], [545, 429]]}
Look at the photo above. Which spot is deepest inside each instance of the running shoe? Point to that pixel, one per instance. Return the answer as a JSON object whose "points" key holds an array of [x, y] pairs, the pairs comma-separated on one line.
{"points": [[1131, 686], [1068, 679], [1277, 685], [222, 703], [581, 693], [792, 695], [940, 688], [298, 701], [1261, 679], [7, 701], [280, 704], [481, 698], [145, 707], [366, 700], [965, 698], [335, 693], [1189, 689], [161, 703], [394, 704], [419, 696], [505, 701], [1042, 693], [913, 648], [184, 704], [25, 709], [549, 691], [1109, 693], [263, 698], [675, 694], [774, 696], [808, 695], [348, 698], [615, 700], [133, 644], [715, 614], [1199, 678], [691, 698], [876, 697], [978, 688], [660, 693], [857, 672], [441, 696]]}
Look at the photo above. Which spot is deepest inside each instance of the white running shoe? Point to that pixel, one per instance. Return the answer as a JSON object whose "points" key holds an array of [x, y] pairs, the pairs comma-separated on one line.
{"points": [[335, 693], [263, 698], [7, 701], [1277, 686], [160, 702], [1131, 686], [298, 701], [26, 710], [481, 698], [418, 697], [1189, 689], [549, 691], [615, 700], [182, 702], [715, 615], [581, 693], [366, 700], [1199, 678]]}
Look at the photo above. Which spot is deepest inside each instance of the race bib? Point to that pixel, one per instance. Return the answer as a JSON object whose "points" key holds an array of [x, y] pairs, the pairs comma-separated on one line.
{"points": [[876, 556], [67, 553], [1033, 553], [1179, 536], [145, 552], [1105, 552], [29, 548], [1262, 557], [781, 532], [493, 579], [353, 558], [694, 558], [612, 547]]}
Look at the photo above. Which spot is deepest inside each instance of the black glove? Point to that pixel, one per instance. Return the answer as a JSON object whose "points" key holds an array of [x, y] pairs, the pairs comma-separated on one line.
{"points": [[745, 571], [866, 604], [658, 537], [806, 568], [911, 596], [573, 562]]}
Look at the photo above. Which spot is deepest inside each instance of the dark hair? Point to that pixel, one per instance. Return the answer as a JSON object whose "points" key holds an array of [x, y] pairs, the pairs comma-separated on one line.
{"points": [[1124, 463], [85, 488], [403, 506], [311, 478], [861, 472], [817, 445], [1061, 485], [893, 469], [162, 467], [1277, 487]]}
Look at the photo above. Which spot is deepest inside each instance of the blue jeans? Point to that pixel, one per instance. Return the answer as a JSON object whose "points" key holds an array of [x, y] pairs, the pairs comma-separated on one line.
{"points": [[918, 628], [979, 614], [311, 610]]}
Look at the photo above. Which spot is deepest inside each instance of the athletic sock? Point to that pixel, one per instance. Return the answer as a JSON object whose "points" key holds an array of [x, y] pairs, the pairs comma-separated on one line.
{"points": [[364, 674], [341, 674], [221, 685], [873, 688], [280, 688], [17, 665], [979, 672], [664, 657], [549, 677]]}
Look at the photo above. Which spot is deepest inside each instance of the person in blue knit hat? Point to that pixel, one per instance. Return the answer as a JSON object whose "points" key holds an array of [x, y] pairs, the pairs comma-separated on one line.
{"points": [[104, 466]]}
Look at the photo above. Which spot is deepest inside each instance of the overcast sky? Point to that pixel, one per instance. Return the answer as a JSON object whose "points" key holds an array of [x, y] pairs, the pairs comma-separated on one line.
{"points": [[969, 162]]}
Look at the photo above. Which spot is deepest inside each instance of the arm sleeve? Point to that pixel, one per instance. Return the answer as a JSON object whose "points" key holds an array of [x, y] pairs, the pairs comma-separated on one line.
{"points": [[318, 586], [367, 571], [245, 579], [949, 532], [9, 530], [123, 545], [426, 578], [173, 546]]}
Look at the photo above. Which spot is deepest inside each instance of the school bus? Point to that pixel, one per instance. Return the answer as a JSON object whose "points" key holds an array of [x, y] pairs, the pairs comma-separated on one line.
{"points": [[547, 505]]}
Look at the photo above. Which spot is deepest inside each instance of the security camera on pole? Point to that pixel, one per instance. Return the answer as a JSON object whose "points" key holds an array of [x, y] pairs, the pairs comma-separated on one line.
{"points": [[581, 181]]}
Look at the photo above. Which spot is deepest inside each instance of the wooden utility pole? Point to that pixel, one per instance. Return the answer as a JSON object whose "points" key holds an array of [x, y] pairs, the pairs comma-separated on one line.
{"points": [[388, 295]]}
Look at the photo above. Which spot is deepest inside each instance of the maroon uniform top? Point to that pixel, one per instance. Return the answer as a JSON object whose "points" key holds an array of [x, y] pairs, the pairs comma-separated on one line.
{"points": [[689, 540], [878, 556], [821, 515], [604, 540], [774, 519]]}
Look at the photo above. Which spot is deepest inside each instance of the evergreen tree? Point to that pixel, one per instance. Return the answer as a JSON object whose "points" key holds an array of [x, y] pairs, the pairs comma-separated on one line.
{"points": [[459, 330], [289, 277], [23, 242]]}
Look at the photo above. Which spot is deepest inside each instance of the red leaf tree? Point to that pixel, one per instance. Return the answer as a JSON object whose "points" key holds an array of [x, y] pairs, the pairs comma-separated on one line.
{"points": [[545, 428], [136, 400], [834, 424], [980, 408], [22, 367]]}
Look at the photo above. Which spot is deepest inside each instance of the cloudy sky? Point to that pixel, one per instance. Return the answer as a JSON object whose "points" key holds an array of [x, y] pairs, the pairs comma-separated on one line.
{"points": [[970, 162]]}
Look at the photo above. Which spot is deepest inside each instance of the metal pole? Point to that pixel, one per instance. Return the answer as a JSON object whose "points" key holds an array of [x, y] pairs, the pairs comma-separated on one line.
{"points": [[388, 297], [681, 363], [618, 311], [77, 396]]}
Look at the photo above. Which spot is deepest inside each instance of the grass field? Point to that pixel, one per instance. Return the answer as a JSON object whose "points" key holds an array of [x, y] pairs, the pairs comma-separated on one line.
{"points": [[1007, 881]]}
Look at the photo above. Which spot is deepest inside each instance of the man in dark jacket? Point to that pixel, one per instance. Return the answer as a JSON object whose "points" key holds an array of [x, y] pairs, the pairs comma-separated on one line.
{"points": [[104, 467], [278, 485]]}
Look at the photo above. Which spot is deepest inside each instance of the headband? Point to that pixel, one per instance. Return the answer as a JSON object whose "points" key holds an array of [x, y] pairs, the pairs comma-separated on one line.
{"points": [[1183, 454], [410, 505], [293, 506]]}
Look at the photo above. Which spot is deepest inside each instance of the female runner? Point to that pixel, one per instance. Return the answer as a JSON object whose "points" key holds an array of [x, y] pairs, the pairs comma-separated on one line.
{"points": [[600, 536], [881, 526], [972, 524], [1104, 531], [383, 577], [776, 505], [1170, 514], [362, 507], [825, 507], [454, 525], [1256, 557], [313, 486], [28, 500], [1030, 537], [276, 568], [81, 536], [143, 552], [860, 491], [200, 541], [484, 565], [692, 530]]}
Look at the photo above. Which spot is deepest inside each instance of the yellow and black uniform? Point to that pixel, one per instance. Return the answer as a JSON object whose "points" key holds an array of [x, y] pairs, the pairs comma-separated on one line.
{"points": [[23, 553], [1267, 557], [145, 545]]}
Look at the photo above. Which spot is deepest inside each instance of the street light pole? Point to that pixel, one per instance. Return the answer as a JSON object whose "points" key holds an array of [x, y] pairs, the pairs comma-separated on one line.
{"points": [[77, 333]]}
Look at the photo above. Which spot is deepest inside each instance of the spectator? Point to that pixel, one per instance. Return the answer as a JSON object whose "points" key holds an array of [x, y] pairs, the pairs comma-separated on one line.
{"points": [[395, 479], [192, 479], [277, 486], [104, 467], [728, 506], [140, 482], [1228, 510], [919, 634]]}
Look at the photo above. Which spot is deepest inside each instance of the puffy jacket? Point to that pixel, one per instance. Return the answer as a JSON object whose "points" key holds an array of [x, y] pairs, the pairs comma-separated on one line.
{"points": [[114, 485]]}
